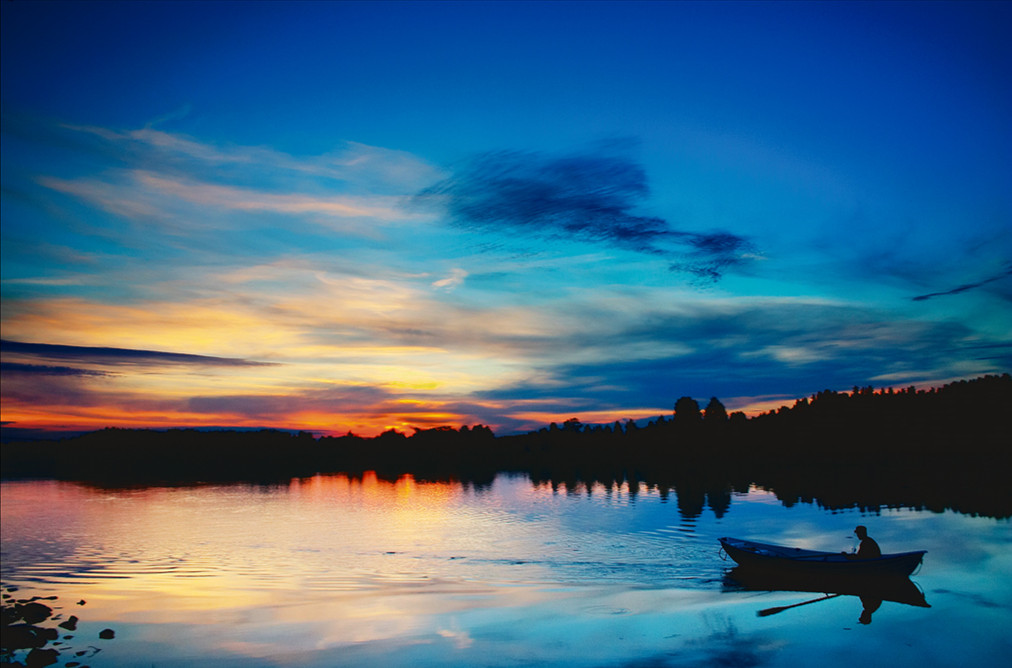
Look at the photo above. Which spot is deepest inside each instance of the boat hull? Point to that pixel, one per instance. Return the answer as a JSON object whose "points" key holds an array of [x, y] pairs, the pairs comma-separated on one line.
{"points": [[777, 558]]}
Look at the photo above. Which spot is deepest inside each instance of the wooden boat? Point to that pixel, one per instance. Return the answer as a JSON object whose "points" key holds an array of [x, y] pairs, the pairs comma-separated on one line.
{"points": [[764, 556]]}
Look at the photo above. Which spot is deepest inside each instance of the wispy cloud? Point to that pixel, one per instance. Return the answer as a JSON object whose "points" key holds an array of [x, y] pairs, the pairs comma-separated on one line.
{"points": [[8, 368], [965, 286], [456, 278], [174, 184], [187, 204], [246, 199], [371, 168], [591, 196], [118, 356], [782, 346], [349, 400]]}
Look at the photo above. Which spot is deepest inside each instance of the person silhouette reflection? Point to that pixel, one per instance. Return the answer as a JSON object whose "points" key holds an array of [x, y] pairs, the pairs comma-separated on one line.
{"points": [[868, 548], [870, 605]]}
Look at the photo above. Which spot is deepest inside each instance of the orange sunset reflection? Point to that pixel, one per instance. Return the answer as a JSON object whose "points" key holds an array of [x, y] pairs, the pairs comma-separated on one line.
{"points": [[327, 560]]}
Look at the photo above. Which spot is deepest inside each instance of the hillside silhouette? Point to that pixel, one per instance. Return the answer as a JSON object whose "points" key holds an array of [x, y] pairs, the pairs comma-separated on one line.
{"points": [[937, 449]]}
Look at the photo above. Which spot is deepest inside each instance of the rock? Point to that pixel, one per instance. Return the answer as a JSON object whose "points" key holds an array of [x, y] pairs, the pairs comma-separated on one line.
{"points": [[20, 636], [70, 624], [8, 616], [23, 636], [33, 613], [107, 634], [38, 658]]}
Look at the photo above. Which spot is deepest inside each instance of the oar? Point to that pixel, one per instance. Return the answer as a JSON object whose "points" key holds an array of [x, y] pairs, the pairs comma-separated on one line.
{"points": [[772, 611]]}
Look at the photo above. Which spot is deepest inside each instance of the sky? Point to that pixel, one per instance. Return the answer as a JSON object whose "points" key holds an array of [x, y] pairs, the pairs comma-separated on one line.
{"points": [[362, 216]]}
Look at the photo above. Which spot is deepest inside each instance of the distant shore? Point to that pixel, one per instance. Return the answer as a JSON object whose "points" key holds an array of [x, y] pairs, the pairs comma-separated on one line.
{"points": [[941, 448]]}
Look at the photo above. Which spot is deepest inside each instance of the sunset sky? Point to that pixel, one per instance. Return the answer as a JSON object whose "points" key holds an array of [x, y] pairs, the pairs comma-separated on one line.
{"points": [[359, 216]]}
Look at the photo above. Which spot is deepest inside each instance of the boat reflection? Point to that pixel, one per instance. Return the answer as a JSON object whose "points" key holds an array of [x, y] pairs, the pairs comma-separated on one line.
{"points": [[871, 590]]}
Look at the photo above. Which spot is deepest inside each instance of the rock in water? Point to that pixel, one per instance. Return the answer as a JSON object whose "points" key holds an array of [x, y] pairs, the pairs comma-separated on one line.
{"points": [[33, 613], [38, 658]]}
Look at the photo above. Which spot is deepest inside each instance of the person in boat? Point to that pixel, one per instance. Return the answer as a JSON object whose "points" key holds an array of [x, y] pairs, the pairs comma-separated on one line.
{"points": [[868, 548]]}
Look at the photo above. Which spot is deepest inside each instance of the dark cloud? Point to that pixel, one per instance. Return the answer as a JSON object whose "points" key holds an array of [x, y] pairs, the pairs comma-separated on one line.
{"points": [[29, 384], [118, 356], [713, 254], [591, 196], [965, 286], [42, 370], [39, 388]]}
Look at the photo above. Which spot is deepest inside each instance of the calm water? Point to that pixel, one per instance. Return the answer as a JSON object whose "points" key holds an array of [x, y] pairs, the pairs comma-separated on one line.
{"points": [[332, 571]]}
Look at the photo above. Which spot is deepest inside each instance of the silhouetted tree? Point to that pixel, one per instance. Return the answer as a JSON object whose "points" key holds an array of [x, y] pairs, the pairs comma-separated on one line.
{"points": [[715, 413], [687, 412], [572, 425]]}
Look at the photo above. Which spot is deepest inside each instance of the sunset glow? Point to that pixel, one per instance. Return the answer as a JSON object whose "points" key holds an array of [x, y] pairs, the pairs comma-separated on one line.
{"points": [[405, 215]]}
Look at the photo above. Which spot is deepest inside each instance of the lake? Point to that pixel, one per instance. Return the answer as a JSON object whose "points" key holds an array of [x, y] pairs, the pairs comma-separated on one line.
{"points": [[353, 571]]}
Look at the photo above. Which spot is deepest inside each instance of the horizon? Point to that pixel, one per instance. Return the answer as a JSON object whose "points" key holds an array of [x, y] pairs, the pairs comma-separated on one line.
{"points": [[355, 217], [12, 435]]}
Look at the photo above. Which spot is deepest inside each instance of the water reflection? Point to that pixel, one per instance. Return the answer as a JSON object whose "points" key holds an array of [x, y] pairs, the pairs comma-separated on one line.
{"points": [[871, 590], [352, 570]]}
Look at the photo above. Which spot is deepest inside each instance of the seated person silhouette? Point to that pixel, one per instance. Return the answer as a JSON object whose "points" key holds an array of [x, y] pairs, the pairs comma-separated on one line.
{"points": [[868, 549]]}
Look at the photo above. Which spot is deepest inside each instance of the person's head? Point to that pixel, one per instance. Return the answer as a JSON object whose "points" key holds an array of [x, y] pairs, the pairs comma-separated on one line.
{"points": [[861, 531]]}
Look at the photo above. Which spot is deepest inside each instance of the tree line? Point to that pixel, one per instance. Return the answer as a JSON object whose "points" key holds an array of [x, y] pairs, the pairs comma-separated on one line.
{"points": [[938, 448]]}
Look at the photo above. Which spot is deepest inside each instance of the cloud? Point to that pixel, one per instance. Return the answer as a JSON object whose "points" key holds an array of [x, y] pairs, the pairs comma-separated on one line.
{"points": [[370, 168], [245, 199], [741, 348], [8, 368], [591, 196], [29, 390], [348, 400], [713, 254], [196, 190], [964, 287], [455, 279], [119, 356], [173, 115], [190, 206]]}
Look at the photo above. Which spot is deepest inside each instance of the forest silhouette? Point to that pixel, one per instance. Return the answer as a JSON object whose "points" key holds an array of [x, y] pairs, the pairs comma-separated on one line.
{"points": [[936, 449]]}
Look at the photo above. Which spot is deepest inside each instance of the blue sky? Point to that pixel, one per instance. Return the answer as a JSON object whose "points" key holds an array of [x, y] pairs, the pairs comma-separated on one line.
{"points": [[359, 216]]}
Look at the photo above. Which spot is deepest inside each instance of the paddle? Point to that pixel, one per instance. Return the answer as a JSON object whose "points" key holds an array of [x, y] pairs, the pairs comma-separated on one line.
{"points": [[772, 611]]}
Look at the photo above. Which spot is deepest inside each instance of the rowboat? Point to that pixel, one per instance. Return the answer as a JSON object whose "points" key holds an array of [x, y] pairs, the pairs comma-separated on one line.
{"points": [[764, 556]]}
